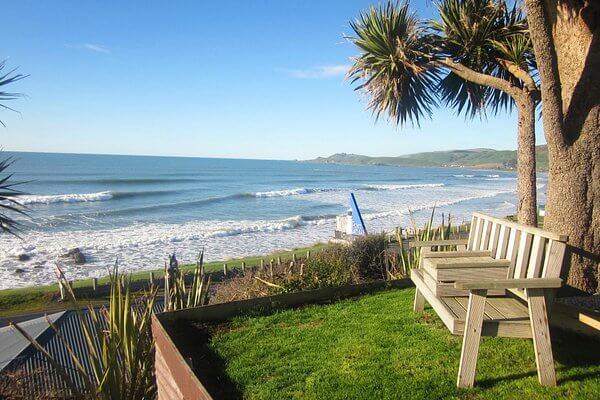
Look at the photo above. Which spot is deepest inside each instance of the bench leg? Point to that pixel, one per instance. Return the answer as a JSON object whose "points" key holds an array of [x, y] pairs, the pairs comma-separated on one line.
{"points": [[538, 315], [419, 304], [471, 338]]}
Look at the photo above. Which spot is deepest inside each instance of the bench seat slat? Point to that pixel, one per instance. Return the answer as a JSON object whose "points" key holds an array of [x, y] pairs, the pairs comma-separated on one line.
{"points": [[453, 314]]}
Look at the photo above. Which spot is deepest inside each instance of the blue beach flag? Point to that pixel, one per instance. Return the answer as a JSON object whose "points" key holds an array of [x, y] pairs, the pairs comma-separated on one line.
{"points": [[358, 226]]}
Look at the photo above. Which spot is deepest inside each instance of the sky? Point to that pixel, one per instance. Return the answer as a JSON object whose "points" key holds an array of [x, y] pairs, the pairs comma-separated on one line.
{"points": [[240, 79]]}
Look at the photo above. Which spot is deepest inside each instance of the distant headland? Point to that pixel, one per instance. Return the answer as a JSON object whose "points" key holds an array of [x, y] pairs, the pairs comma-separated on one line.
{"points": [[470, 158]]}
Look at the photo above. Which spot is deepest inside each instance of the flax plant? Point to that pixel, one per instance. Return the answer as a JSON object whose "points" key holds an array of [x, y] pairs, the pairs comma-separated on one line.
{"points": [[410, 256], [119, 343], [177, 295]]}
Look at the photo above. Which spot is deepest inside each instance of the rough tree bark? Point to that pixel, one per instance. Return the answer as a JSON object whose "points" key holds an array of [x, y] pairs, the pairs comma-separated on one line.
{"points": [[565, 36], [526, 183]]}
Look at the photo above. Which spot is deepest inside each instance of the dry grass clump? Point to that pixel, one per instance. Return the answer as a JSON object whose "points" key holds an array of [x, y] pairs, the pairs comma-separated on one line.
{"points": [[365, 259]]}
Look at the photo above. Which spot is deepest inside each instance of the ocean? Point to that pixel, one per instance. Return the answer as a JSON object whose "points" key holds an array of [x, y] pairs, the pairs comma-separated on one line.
{"points": [[141, 208]]}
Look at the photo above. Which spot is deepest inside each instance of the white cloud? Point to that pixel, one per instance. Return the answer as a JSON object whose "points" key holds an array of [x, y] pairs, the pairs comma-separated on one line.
{"points": [[96, 48], [325, 71]]}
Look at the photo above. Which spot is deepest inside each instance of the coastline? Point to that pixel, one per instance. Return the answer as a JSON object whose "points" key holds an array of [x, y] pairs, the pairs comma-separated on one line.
{"points": [[479, 159], [44, 298]]}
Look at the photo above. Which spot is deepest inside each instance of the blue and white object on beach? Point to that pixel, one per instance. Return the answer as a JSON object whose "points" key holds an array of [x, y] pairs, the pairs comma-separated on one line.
{"points": [[358, 225]]}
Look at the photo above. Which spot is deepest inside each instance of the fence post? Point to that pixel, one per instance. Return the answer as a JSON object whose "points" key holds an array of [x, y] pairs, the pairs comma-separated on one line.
{"points": [[307, 254], [271, 268], [94, 284], [301, 269], [62, 290], [224, 269], [294, 257], [278, 260], [262, 263], [243, 265], [151, 278]]}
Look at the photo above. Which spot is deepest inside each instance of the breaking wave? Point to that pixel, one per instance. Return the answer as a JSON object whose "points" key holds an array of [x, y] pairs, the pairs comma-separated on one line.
{"points": [[65, 198], [401, 187]]}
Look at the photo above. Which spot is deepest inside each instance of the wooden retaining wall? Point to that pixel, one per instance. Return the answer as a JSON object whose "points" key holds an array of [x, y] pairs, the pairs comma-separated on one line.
{"points": [[175, 378]]}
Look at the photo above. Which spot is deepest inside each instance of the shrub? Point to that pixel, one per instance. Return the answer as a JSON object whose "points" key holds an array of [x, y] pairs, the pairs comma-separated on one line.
{"points": [[331, 267], [366, 255]]}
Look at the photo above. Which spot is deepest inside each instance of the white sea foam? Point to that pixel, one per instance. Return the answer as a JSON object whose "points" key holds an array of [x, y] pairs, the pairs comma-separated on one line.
{"points": [[429, 204], [463, 176], [65, 198], [143, 246], [401, 187], [283, 193]]}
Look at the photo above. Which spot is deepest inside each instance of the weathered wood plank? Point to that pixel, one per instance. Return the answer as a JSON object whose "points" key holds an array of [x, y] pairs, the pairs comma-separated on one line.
{"points": [[502, 242], [523, 255], [509, 307], [485, 238], [472, 233], [489, 313], [463, 262], [531, 283], [419, 303], [431, 243], [530, 229], [512, 250], [458, 310], [461, 253], [554, 259], [447, 289], [471, 339], [468, 274], [534, 269], [541, 337], [494, 236], [441, 310], [478, 233]]}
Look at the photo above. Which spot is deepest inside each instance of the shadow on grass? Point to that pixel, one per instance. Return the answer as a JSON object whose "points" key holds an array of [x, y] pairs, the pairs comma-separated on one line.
{"points": [[571, 351], [193, 341]]}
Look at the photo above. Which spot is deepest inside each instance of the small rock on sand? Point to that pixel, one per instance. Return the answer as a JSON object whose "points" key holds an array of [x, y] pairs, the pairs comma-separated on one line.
{"points": [[24, 257], [19, 271], [75, 255]]}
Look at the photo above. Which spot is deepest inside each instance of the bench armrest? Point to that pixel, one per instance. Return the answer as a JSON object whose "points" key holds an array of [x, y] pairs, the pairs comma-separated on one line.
{"points": [[527, 283], [431, 243]]}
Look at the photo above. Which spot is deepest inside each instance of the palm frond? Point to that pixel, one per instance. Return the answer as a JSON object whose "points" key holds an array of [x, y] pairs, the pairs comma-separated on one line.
{"points": [[479, 34], [9, 203], [7, 79], [393, 68]]}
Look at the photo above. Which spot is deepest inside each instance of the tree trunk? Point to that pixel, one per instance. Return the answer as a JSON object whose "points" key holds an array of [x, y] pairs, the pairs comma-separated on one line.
{"points": [[526, 184], [565, 36], [573, 208]]}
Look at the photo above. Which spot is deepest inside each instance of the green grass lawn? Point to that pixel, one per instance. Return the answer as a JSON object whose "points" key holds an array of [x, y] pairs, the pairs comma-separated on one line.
{"points": [[375, 347], [44, 298]]}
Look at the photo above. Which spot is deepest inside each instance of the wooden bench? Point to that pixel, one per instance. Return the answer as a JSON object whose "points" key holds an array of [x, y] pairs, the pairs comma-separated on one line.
{"points": [[534, 258]]}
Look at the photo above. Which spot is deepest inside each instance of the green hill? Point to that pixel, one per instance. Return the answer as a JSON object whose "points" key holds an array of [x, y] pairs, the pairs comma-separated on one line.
{"points": [[472, 158]]}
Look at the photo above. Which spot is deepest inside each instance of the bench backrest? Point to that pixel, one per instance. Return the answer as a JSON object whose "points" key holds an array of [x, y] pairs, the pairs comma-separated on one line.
{"points": [[533, 252]]}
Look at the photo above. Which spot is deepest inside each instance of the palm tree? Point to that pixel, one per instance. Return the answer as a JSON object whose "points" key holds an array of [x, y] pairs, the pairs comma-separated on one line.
{"points": [[477, 58], [8, 194]]}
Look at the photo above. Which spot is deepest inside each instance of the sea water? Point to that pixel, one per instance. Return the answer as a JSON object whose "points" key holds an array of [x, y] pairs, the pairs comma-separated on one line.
{"points": [[141, 208]]}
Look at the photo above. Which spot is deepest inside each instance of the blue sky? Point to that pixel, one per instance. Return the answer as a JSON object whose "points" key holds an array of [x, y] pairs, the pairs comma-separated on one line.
{"points": [[248, 79]]}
